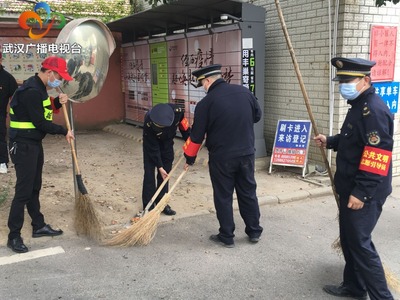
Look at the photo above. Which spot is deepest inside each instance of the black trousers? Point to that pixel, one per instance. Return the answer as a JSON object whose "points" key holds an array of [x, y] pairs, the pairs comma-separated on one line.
{"points": [[229, 175], [28, 162], [363, 270], [3, 141], [149, 179]]}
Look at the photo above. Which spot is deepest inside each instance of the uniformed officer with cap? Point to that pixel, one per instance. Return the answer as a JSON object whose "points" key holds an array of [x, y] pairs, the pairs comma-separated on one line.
{"points": [[159, 131], [226, 115], [205, 72], [362, 179]]}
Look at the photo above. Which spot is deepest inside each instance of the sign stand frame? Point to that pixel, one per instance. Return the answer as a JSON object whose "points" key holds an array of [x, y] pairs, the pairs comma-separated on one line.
{"points": [[298, 151]]}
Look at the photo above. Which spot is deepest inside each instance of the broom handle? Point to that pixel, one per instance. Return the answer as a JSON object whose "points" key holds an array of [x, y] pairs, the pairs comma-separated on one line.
{"points": [[146, 209], [78, 172], [177, 181], [162, 185], [305, 95]]}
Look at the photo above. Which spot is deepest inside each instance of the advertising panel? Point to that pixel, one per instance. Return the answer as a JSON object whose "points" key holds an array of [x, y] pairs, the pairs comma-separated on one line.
{"points": [[136, 80], [161, 72], [178, 72]]}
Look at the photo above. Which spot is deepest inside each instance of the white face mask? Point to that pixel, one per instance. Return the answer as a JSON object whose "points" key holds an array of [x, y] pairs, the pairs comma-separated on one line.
{"points": [[55, 83], [349, 90]]}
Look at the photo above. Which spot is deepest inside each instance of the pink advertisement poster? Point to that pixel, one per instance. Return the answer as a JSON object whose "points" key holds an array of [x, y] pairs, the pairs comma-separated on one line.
{"points": [[184, 55], [227, 52], [178, 72], [136, 79]]}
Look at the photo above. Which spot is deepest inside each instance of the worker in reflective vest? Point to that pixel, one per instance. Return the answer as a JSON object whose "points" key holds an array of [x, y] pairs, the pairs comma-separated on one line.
{"points": [[30, 120]]}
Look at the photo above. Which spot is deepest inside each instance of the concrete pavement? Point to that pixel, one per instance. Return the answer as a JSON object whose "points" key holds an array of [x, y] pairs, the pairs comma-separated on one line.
{"points": [[295, 187], [293, 260]]}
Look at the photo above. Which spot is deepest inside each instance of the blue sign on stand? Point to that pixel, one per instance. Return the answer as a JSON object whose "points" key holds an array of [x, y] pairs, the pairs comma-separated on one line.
{"points": [[291, 144], [389, 92]]}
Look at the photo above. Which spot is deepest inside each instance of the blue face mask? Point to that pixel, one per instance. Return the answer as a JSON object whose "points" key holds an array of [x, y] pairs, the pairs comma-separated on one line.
{"points": [[349, 90], [54, 84]]}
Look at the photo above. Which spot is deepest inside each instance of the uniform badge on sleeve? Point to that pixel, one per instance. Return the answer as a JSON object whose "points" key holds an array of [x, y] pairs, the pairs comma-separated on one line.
{"points": [[373, 138]]}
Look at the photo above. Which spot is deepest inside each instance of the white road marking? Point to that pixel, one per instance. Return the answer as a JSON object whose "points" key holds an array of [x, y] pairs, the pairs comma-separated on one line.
{"points": [[6, 260]]}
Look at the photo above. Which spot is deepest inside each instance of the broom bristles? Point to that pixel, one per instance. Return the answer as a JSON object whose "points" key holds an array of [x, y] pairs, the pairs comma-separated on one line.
{"points": [[392, 280], [86, 220], [143, 230]]}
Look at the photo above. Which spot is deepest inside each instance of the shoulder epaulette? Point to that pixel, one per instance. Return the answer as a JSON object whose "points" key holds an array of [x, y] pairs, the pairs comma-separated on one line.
{"points": [[366, 111]]}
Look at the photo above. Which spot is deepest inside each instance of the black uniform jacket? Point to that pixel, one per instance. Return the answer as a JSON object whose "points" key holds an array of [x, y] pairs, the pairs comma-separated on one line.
{"points": [[226, 115], [27, 104], [368, 123], [160, 141], [8, 85]]}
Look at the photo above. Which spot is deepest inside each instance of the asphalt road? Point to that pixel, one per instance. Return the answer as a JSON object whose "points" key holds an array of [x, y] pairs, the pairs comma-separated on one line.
{"points": [[293, 260]]}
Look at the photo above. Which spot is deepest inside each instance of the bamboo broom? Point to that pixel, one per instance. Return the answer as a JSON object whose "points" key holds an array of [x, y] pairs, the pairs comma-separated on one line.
{"points": [[149, 227], [147, 208], [144, 220], [391, 279], [86, 220]]}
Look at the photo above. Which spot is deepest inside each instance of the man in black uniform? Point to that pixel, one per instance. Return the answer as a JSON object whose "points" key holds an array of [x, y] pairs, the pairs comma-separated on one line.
{"points": [[159, 131], [8, 85], [362, 179], [227, 115], [30, 120]]}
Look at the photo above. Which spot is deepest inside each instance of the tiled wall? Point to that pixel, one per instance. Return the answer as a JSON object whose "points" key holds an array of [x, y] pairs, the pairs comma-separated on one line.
{"points": [[308, 25]]}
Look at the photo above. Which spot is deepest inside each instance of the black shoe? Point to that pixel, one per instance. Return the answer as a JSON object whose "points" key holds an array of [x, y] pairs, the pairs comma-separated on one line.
{"points": [[46, 231], [254, 239], [342, 291], [17, 245], [169, 211], [215, 238]]}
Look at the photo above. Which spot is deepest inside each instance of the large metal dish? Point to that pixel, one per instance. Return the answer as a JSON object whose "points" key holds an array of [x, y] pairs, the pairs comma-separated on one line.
{"points": [[89, 64]]}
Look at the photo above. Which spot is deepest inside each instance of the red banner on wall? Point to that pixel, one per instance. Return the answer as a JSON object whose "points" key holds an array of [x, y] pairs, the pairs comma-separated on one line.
{"points": [[383, 51]]}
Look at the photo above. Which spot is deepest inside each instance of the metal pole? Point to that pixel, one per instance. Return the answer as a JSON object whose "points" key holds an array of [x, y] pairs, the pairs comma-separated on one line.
{"points": [[71, 120], [305, 95]]}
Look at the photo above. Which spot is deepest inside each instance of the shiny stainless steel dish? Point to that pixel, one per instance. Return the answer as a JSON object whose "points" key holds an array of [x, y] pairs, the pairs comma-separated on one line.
{"points": [[91, 44]]}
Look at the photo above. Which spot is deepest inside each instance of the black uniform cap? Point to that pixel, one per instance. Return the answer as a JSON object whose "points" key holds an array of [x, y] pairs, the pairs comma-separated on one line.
{"points": [[162, 115], [206, 72], [349, 68]]}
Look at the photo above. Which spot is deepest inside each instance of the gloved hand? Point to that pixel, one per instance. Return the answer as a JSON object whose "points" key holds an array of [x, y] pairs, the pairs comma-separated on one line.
{"points": [[190, 159]]}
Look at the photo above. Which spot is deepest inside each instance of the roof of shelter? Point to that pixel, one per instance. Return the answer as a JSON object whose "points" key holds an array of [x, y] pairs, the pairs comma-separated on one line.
{"points": [[180, 15]]}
